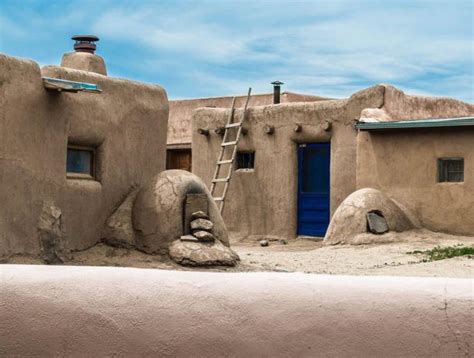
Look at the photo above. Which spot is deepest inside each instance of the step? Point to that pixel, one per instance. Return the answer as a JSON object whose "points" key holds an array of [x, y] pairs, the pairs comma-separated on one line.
{"points": [[228, 161], [233, 125], [225, 144], [220, 180]]}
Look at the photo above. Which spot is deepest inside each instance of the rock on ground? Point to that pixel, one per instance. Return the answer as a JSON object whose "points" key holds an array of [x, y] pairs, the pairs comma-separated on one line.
{"points": [[203, 236], [118, 230], [200, 254], [188, 238], [202, 224], [199, 215], [51, 236]]}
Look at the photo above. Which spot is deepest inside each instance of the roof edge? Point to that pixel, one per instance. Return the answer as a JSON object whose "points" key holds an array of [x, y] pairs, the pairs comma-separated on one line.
{"points": [[418, 123]]}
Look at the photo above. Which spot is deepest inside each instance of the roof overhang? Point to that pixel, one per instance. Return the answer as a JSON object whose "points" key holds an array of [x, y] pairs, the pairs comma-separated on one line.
{"points": [[60, 85], [417, 123]]}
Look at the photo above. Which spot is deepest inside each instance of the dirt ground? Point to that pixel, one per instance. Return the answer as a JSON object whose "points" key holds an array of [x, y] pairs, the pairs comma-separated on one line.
{"points": [[390, 256]]}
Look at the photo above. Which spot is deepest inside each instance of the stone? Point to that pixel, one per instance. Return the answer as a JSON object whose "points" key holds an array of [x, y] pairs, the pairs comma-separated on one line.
{"points": [[51, 235], [204, 236], [376, 223], [188, 238], [199, 215], [201, 224], [264, 243], [195, 203], [118, 230], [201, 254]]}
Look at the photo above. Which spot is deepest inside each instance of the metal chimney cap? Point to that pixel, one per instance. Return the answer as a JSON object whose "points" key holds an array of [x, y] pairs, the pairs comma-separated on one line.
{"points": [[89, 38], [85, 43], [277, 83]]}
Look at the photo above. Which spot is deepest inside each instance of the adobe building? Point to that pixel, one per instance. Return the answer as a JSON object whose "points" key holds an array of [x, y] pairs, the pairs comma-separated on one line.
{"points": [[178, 144], [74, 151], [299, 161], [82, 159]]}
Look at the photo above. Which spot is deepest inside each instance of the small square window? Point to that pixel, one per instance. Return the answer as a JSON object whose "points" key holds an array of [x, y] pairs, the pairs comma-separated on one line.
{"points": [[450, 170], [245, 160], [80, 162]]}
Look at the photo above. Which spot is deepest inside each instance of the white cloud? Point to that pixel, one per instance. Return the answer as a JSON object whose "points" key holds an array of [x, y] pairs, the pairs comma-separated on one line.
{"points": [[326, 47]]}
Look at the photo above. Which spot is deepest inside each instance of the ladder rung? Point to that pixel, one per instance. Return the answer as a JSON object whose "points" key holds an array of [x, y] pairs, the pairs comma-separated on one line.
{"points": [[218, 199], [233, 125], [220, 180], [229, 143], [229, 161]]}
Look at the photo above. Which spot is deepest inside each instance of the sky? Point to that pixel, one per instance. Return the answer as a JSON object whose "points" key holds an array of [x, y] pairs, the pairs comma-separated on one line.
{"points": [[212, 48]]}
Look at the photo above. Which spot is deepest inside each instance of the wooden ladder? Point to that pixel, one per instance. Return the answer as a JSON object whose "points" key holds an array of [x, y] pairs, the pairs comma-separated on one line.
{"points": [[221, 160]]}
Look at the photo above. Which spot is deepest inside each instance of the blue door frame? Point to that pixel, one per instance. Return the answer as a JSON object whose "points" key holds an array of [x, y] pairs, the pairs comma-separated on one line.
{"points": [[313, 188]]}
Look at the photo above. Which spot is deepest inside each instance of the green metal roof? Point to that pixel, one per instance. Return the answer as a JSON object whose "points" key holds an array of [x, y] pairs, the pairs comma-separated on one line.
{"points": [[58, 84], [416, 123]]}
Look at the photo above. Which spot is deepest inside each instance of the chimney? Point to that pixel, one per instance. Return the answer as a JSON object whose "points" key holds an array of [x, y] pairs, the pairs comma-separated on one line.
{"points": [[84, 58], [85, 43], [276, 91]]}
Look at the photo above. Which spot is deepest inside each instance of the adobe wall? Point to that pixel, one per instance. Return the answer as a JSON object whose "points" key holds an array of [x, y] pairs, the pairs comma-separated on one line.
{"points": [[50, 311], [403, 164], [400, 106], [127, 123], [264, 201], [179, 126]]}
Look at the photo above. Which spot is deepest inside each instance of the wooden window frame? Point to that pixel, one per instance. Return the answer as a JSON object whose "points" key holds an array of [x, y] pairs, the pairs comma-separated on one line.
{"points": [[444, 173], [240, 152], [84, 176]]}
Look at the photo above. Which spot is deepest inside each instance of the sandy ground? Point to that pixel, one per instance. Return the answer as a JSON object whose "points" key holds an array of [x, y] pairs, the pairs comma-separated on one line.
{"points": [[390, 256]]}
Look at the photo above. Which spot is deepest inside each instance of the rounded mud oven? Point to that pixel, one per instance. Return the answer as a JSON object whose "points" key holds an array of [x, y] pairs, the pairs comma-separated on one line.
{"points": [[351, 217], [159, 207]]}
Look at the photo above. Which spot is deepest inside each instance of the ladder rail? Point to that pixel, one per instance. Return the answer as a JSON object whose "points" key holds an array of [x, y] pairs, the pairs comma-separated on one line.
{"points": [[222, 151], [224, 145]]}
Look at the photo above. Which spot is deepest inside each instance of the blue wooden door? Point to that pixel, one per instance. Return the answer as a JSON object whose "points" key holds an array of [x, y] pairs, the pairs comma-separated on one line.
{"points": [[313, 188]]}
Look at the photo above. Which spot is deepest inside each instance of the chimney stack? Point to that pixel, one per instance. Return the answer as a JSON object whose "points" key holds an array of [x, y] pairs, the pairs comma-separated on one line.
{"points": [[276, 91], [84, 58]]}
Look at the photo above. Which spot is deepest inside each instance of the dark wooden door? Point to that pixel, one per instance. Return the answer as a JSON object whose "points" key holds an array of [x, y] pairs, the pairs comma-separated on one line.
{"points": [[179, 159]]}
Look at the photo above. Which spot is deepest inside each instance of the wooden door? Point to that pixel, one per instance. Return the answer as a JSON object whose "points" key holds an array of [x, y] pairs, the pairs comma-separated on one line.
{"points": [[179, 159], [313, 188]]}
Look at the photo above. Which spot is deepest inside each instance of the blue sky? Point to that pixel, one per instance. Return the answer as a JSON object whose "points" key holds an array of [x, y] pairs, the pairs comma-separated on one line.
{"points": [[212, 48]]}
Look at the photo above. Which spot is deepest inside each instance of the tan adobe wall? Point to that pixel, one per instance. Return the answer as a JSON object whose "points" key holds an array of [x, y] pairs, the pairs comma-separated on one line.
{"points": [[179, 124], [53, 311], [403, 164], [400, 106], [127, 123], [263, 201]]}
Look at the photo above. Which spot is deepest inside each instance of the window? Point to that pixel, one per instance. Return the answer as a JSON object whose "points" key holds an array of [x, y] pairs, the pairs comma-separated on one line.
{"points": [[80, 162], [245, 160], [450, 170]]}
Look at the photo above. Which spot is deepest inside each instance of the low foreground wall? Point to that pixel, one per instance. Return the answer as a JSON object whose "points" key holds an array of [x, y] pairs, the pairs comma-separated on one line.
{"points": [[96, 311]]}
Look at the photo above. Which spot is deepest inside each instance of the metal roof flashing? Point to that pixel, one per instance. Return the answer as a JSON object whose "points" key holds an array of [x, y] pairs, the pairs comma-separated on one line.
{"points": [[57, 84], [416, 123]]}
